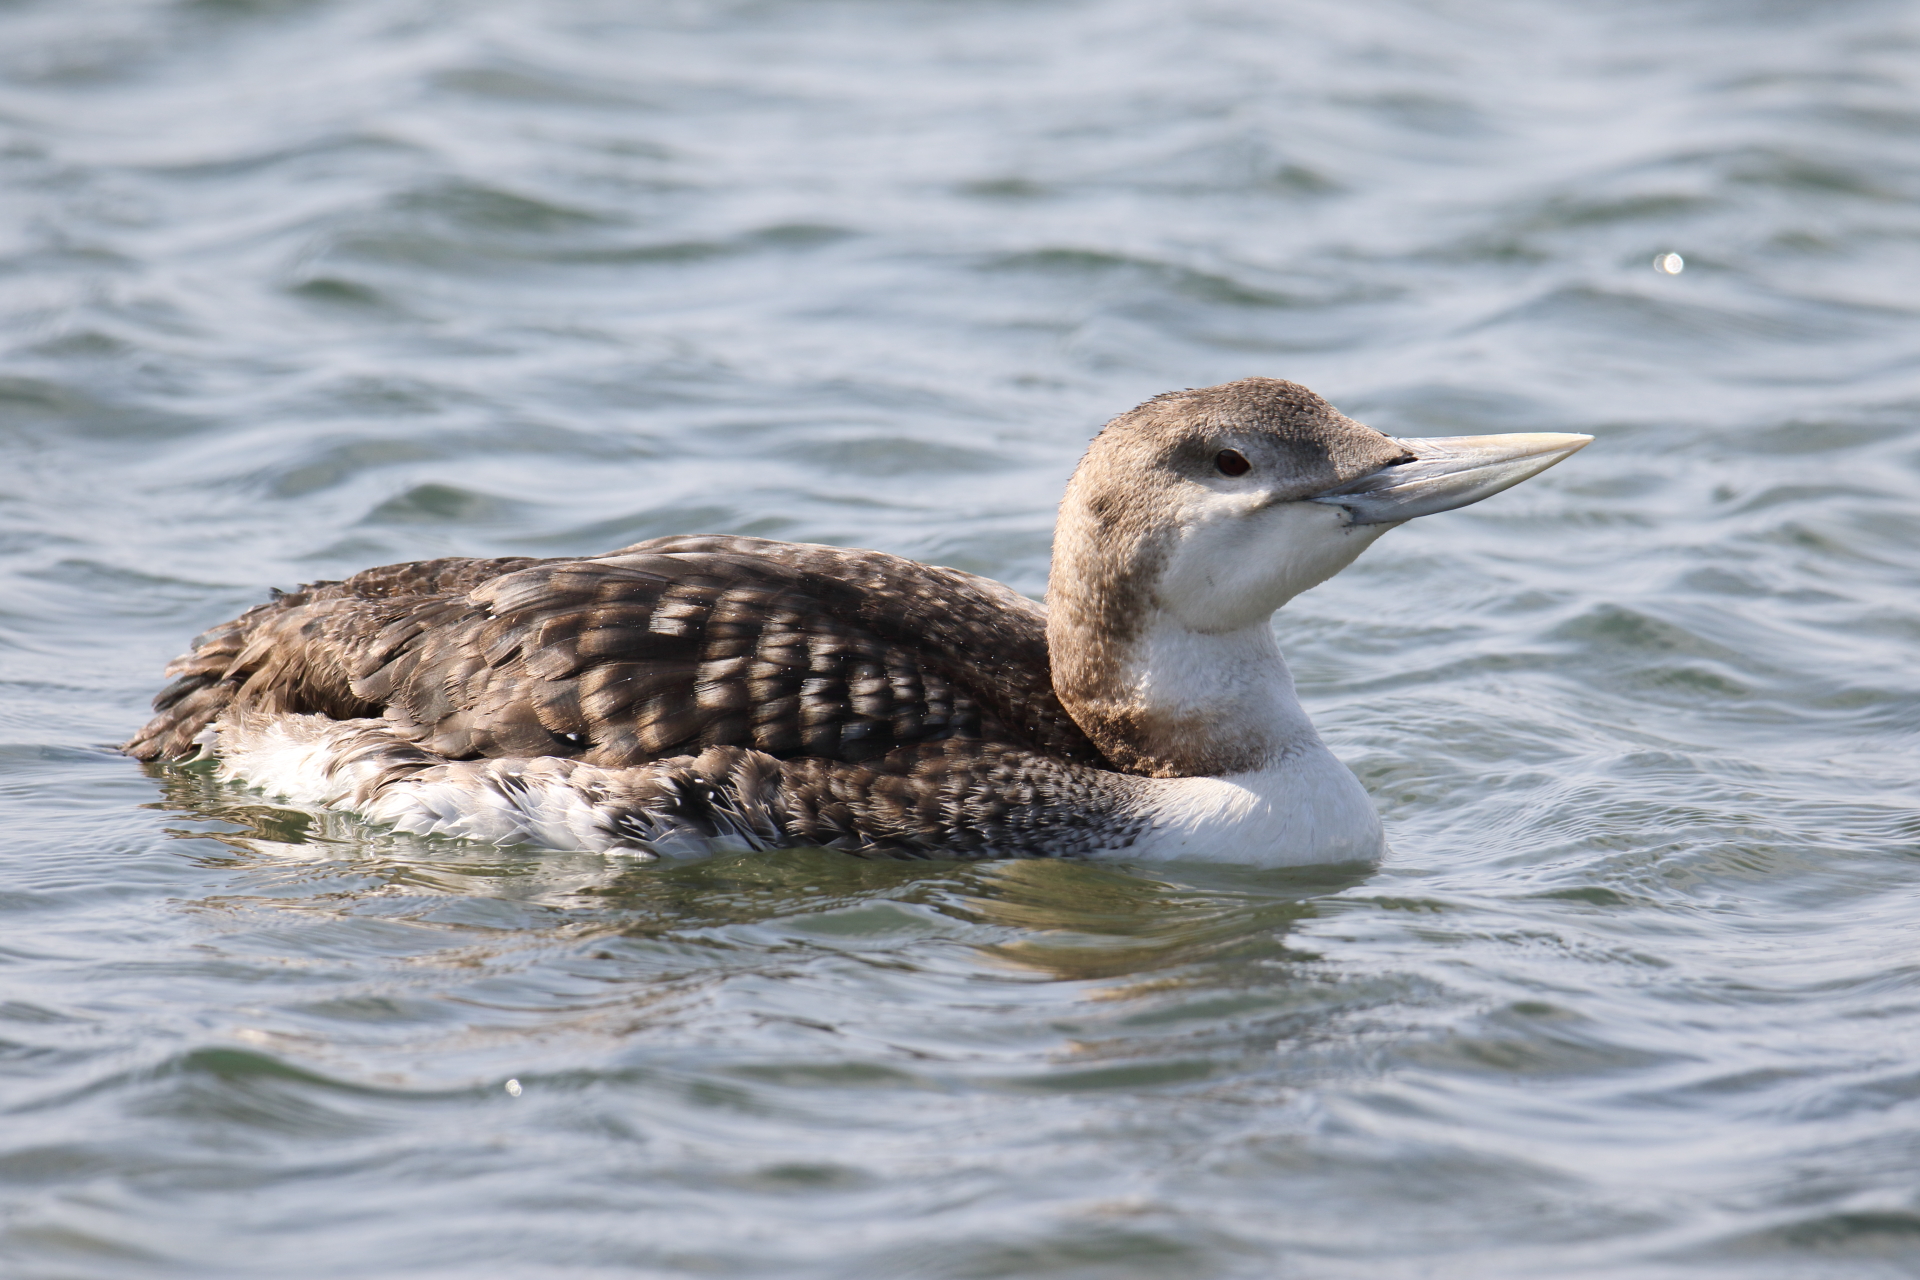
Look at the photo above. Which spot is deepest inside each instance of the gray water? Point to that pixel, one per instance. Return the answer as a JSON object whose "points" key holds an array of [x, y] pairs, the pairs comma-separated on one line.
{"points": [[293, 287]]}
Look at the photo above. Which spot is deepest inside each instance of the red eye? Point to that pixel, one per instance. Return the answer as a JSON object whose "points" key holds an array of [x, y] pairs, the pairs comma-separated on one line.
{"points": [[1232, 462]]}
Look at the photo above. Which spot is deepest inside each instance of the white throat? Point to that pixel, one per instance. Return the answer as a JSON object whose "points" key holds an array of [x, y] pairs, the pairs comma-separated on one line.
{"points": [[1228, 690]]}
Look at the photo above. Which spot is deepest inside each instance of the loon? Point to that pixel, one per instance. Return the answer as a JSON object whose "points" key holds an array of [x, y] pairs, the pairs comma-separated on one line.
{"points": [[692, 693]]}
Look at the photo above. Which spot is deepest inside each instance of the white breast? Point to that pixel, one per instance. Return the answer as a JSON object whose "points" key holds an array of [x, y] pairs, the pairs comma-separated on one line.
{"points": [[1306, 808]]}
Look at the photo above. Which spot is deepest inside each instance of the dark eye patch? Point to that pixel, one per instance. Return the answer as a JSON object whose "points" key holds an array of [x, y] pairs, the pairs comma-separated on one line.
{"points": [[1232, 462]]}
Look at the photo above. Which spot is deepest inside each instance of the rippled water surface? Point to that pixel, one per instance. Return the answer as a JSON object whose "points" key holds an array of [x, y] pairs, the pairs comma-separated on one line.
{"points": [[293, 287]]}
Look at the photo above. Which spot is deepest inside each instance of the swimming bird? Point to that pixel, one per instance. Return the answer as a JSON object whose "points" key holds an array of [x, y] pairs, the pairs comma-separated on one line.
{"points": [[697, 692]]}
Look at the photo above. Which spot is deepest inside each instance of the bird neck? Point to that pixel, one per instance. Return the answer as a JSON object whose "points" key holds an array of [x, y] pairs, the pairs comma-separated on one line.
{"points": [[1167, 701]]}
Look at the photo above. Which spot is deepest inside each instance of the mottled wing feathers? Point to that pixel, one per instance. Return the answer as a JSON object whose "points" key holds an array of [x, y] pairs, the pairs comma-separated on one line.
{"points": [[663, 649]]}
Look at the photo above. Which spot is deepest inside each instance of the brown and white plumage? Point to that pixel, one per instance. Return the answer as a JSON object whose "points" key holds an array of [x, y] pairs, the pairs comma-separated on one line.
{"points": [[912, 680], [694, 690]]}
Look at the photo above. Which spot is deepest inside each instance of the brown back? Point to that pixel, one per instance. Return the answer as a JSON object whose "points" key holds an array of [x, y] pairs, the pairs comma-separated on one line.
{"points": [[663, 649]]}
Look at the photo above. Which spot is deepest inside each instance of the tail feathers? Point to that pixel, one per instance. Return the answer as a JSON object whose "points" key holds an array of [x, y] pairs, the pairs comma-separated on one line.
{"points": [[185, 709], [200, 691]]}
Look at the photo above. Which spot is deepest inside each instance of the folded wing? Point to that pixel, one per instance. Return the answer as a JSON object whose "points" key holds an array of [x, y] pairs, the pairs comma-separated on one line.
{"points": [[664, 649]]}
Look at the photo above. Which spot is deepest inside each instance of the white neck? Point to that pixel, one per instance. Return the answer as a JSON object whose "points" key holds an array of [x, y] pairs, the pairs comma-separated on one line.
{"points": [[1230, 691], [1295, 805]]}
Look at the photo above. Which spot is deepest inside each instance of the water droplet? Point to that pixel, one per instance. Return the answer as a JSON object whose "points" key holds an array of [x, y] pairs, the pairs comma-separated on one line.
{"points": [[1671, 264], [513, 1088]]}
